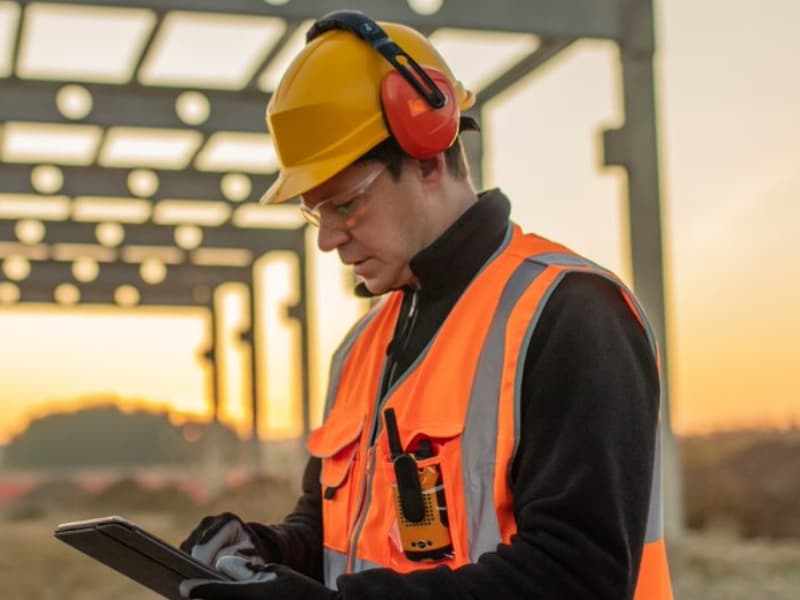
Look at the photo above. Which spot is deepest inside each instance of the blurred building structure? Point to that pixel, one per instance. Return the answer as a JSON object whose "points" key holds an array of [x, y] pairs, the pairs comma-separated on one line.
{"points": [[134, 152]]}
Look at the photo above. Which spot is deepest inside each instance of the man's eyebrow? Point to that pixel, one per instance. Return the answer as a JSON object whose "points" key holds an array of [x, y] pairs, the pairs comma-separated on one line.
{"points": [[326, 197]]}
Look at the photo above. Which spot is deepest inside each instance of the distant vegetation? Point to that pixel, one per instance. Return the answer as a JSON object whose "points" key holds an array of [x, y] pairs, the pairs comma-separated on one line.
{"points": [[107, 436], [747, 482], [744, 482]]}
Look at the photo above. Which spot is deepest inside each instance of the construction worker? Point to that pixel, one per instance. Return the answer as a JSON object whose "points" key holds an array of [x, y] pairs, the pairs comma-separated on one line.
{"points": [[491, 428]]}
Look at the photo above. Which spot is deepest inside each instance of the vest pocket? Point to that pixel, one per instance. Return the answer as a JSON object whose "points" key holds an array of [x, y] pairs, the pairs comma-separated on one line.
{"points": [[337, 443], [436, 540]]}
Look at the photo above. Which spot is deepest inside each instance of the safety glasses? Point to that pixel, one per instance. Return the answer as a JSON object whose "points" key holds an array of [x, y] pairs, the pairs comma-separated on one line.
{"points": [[341, 209]]}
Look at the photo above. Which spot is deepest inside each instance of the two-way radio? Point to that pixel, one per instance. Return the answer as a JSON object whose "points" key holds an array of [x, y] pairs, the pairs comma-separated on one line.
{"points": [[419, 499]]}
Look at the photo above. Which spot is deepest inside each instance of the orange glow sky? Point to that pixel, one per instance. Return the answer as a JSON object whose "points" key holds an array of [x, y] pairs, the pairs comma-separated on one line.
{"points": [[728, 95]]}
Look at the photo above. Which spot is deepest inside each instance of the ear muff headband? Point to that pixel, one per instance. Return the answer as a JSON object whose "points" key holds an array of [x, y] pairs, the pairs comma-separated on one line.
{"points": [[368, 30]]}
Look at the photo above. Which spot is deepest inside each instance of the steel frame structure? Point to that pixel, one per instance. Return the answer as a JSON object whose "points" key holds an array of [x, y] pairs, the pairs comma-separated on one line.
{"points": [[558, 23]]}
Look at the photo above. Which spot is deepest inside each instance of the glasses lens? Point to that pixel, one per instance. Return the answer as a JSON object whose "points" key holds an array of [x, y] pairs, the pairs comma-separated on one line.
{"points": [[313, 214]]}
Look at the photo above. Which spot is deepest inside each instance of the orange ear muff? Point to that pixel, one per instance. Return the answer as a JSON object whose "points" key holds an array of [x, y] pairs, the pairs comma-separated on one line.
{"points": [[421, 130]]}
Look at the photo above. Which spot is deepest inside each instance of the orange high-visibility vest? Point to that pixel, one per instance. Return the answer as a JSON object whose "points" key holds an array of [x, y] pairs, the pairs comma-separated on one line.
{"points": [[463, 394]]}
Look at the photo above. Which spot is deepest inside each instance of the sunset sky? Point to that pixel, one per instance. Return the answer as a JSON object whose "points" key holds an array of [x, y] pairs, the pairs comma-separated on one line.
{"points": [[728, 95]]}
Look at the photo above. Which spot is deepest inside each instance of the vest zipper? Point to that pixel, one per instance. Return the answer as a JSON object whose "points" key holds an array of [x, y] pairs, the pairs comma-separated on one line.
{"points": [[363, 504], [401, 337]]}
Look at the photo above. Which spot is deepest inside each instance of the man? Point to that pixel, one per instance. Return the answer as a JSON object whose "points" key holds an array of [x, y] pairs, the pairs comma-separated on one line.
{"points": [[491, 428]]}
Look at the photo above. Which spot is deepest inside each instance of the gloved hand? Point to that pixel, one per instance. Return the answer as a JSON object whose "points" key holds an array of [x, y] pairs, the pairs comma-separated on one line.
{"points": [[225, 535], [256, 582]]}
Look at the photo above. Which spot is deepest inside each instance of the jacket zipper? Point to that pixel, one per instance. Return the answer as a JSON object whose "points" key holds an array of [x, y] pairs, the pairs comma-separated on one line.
{"points": [[401, 338], [399, 343]]}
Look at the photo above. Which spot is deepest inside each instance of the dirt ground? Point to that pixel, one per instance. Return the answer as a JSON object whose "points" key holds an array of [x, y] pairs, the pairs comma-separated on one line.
{"points": [[35, 566], [741, 495], [713, 566]]}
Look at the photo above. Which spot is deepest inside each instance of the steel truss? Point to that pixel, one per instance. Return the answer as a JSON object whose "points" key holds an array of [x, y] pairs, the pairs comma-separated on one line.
{"points": [[557, 23]]}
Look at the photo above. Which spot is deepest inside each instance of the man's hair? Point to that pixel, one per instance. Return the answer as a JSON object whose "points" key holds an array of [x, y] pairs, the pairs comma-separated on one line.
{"points": [[389, 153]]}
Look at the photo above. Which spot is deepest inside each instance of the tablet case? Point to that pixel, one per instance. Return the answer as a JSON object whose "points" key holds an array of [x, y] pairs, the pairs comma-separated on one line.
{"points": [[132, 551]]}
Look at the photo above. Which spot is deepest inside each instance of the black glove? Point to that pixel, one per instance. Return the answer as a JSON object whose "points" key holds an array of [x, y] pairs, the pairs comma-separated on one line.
{"points": [[256, 582], [225, 535]]}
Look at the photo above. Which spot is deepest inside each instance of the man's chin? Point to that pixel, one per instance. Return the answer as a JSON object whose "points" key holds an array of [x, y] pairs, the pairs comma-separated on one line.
{"points": [[374, 286], [377, 283]]}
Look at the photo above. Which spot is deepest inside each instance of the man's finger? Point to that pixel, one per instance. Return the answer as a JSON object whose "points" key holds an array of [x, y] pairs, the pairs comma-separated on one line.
{"points": [[206, 551], [215, 524], [240, 568], [235, 567], [197, 532]]}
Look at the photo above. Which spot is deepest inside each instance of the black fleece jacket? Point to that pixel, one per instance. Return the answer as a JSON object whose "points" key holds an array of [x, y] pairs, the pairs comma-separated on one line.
{"points": [[582, 473]]}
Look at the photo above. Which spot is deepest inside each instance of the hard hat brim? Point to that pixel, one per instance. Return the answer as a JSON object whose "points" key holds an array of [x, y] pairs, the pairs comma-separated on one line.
{"points": [[295, 181], [276, 192]]}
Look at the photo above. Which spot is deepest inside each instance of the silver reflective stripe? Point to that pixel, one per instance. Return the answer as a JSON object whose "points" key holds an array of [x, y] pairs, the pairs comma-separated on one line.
{"points": [[570, 260], [521, 362], [422, 355], [362, 507], [651, 337], [566, 260], [655, 513], [333, 565], [342, 352], [479, 440], [360, 564]]}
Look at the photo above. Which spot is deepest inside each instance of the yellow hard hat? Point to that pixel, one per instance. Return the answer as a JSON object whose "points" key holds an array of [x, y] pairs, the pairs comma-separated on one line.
{"points": [[326, 112]]}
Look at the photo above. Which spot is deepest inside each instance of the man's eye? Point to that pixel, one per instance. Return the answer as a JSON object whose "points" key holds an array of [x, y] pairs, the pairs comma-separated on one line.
{"points": [[346, 208], [343, 209]]}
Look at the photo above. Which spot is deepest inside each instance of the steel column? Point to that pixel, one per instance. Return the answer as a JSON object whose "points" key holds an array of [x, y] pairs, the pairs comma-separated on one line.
{"points": [[635, 147]]}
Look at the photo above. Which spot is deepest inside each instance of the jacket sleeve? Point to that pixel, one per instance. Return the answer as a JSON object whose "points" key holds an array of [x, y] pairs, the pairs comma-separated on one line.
{"points": [[297, 541], [582, 473]]}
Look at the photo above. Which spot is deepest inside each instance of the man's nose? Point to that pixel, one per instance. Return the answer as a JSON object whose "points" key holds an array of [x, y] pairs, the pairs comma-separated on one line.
{"points": [[329, 238]]}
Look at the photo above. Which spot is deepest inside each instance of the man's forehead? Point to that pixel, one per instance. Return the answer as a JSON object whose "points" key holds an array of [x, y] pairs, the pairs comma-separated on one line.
{"points": [[342, 181]]}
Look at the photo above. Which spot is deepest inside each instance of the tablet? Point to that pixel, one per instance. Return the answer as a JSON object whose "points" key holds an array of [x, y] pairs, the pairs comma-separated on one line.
{"points": [[132, 551]]}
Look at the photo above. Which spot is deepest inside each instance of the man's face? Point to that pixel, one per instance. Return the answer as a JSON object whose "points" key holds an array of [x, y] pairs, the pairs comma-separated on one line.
{"points": [[374, 222]]}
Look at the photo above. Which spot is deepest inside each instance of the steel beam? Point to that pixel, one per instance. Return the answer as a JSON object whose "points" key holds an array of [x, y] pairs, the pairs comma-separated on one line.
{"points": [[17, 41], [629, 22], [546, 50], [474, 143], [547, 18], [189, 184], [290, 30], [50, 273], [134, 105], [153, 297], [300, 312], [258, 387], [217, 390], [258, 241]]}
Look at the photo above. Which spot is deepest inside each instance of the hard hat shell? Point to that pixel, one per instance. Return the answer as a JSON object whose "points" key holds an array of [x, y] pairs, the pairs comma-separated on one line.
{"points": [[326, 112]]}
